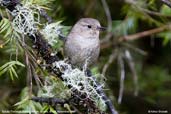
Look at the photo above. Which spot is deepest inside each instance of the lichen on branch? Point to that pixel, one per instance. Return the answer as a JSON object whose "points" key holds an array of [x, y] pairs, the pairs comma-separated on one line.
{"points": [[25, 19], [81, 83]]}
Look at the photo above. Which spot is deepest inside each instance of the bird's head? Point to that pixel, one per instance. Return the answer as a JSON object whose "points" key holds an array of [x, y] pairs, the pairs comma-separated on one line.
{"points": [[88, 28]]}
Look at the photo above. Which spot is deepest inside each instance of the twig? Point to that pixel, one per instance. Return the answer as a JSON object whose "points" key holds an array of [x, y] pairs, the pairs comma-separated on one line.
{"points": [[110, 105], [133, 70], [111, 59], [137, 50], [29, 74], [109, 20], [143, 34], [136, 36], [167, 2], [122, 77], [154, 13]]}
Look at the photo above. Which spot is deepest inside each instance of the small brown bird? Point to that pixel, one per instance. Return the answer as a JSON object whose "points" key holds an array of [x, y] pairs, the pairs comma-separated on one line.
{"points": [[82, 45]]}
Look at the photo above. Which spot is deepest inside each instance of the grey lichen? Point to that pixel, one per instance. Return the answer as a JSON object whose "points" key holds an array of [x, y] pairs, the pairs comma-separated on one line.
{"points": [[78, 81], [25, 19]]}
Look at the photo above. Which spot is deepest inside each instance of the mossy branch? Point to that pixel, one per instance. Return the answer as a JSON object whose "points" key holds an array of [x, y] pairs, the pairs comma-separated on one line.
{"points": [[53, 66]]}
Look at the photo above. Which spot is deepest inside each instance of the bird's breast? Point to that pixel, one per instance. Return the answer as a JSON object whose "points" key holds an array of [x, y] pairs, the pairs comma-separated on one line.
{"points": [[80, 50], [87, 42]]}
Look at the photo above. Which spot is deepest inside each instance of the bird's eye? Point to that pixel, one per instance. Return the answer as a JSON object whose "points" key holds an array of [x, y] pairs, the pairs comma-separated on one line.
{"points": [[89, 26]]}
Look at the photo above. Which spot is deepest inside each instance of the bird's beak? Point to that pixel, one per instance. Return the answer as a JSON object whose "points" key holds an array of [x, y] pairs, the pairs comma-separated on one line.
{"points": [[101, 28]]}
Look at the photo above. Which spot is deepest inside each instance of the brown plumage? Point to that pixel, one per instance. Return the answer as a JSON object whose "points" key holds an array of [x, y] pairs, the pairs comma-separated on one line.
{"points": [[82, 44]]}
